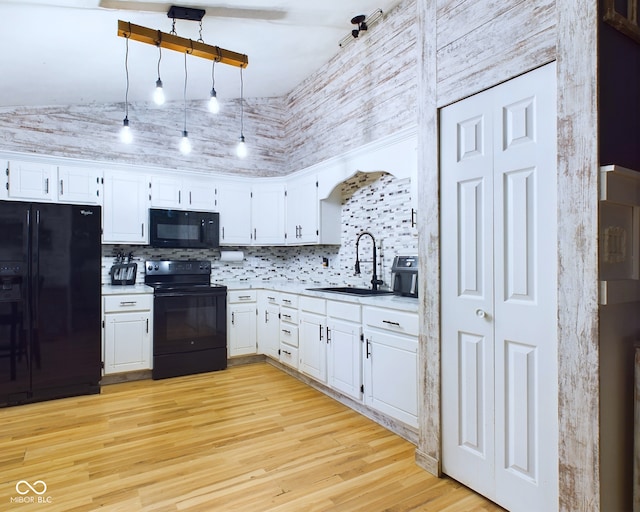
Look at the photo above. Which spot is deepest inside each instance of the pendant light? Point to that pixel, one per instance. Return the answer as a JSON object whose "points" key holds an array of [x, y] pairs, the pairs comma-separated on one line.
{"points": [[214, 105], [158, 95], [125, 132], [185, 144], [241, 148]]}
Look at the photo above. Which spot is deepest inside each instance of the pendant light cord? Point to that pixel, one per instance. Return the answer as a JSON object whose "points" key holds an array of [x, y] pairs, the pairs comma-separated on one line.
{"points": [[241, 104], [185, 91], [126, 71]]}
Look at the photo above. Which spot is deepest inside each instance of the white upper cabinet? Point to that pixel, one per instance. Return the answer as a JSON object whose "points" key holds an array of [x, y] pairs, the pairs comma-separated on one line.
{"points": [[234, 205], [79, 185], [31, 180], [125, 216], [267, 214], [302, 210], [174, 192]]}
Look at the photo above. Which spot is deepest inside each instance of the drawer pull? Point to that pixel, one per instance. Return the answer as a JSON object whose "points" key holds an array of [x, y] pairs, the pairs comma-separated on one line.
{"points": [[287, 352], [391, 323], [286, 300], [128, 302], [286, 332], [244, 297], [271, 298], [288, 317]]}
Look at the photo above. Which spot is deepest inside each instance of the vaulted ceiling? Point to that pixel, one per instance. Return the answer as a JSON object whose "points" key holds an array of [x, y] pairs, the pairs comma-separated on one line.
{"points": [[59, 52]]}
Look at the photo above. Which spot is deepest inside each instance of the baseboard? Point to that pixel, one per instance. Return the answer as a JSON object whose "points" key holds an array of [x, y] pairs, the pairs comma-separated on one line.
{"points": [[428, 463], [117, 378]]}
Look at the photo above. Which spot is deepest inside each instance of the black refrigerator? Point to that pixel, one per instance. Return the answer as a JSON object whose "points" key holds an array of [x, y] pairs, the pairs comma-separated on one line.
{"points": [[50, 314]]}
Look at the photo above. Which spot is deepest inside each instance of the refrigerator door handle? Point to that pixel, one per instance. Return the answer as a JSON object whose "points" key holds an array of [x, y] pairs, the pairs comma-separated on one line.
{"points": [[35, 251], [26, 280]]}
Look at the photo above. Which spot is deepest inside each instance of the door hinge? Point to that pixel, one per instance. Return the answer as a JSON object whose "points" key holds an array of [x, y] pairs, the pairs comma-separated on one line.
{"points": [[361, 388]]}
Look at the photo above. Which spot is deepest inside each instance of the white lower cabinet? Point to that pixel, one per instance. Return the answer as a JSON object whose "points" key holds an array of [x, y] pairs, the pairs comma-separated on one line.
{"points": [[242, 329], [391, 363], [344, 348], [268, 323], [127, 333], [313, 344]]}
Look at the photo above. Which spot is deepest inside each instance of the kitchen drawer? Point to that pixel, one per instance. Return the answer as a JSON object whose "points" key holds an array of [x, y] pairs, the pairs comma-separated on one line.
{"points": [[289, 355], [238, 296], [289, 315], [391, 320], [125, 303], [289, 334], [272, 297], [343, 310], [313, 305], [289, 300]]}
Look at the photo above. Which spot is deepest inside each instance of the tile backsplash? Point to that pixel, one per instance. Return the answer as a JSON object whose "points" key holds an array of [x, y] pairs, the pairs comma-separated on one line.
{"points": [[375, 202]]}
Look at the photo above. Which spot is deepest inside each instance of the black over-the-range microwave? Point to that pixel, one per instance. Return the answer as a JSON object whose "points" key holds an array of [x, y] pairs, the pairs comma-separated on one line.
{"points": [[184, 229]]}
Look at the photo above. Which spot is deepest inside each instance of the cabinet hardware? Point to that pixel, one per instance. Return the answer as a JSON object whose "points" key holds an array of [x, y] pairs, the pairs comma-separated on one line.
{"points": [[128, 302], [391, 323], [288, 317], [46, 186], [147, 326], [244, 297], [255, 234], [286, 332], [320, 326], [179, 196], [266, 316], [286, 300], [286, 352], [61, 187], [233, 318], [368, 348], [142, 229], [189, 196], [328, 335], [414, 215]]}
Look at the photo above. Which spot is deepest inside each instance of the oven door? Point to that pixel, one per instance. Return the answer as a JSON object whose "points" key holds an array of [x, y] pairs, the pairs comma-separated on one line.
{"points": [[184, 322]]}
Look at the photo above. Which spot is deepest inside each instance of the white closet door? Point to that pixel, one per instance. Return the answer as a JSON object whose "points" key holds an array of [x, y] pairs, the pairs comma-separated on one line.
{"points": [[499, 346]]}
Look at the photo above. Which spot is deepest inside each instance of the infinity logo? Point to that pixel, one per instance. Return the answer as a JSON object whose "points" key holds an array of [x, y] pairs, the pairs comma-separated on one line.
{"points": [[20, 487]]}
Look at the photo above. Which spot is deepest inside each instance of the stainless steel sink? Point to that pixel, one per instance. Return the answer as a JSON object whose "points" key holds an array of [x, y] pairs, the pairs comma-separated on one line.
{"points": [[350, 290]]}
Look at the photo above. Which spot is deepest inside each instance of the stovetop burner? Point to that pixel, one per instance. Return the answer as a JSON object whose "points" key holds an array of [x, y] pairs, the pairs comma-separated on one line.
{"points": [[179, 275]]}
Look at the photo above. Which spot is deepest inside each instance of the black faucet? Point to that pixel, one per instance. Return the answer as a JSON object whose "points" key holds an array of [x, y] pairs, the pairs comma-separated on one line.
{"points": [[375, 282]]}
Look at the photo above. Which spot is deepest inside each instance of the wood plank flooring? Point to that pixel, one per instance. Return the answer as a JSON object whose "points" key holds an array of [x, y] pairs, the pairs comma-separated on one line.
{"points": [[250, 438]]}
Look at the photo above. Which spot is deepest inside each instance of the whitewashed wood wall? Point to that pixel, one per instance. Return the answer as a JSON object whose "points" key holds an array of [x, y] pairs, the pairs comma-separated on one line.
{"points": [[466, 47], [366, 92]]}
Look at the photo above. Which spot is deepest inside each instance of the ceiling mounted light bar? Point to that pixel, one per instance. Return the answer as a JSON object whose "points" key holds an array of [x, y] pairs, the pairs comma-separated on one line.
{"points": [[181, 44]]}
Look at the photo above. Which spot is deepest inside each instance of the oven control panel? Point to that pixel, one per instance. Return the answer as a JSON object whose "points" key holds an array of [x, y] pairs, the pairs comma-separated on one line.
{"points": [[177, 267]]}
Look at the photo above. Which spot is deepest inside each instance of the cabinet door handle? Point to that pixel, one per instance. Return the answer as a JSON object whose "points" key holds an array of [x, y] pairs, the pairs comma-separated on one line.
{"points": [[266, 316], [223, 232], [189, 196], [255, 234], [328, 335], [179, 196], [368, 348], [61, 187], [46, 186], [233, 318], [147, 326], [142, 229], [320, 326], [391, 323]]}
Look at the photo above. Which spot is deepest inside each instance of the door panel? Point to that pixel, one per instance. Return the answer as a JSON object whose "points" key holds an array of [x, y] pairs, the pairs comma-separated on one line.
{"points": [[499, 292]]}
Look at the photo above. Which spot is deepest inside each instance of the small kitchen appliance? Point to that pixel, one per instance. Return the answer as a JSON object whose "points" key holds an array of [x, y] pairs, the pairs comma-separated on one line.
{"points": [[404, 276]]}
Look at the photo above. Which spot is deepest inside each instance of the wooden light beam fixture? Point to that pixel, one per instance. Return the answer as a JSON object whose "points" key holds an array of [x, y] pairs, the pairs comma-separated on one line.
{"points": [[181, 44]]}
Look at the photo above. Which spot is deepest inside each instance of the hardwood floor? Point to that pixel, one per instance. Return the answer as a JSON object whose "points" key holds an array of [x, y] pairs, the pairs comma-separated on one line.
{"points": [[250, 438]]}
